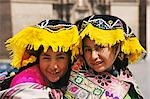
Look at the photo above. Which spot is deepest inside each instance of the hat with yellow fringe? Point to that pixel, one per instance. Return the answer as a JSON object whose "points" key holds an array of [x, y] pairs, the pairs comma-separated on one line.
{"points": [[57, 34], [107, 30]]}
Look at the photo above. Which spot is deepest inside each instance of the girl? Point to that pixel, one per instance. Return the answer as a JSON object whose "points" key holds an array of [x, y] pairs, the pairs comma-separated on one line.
{"points": [[108, 46], [43, 53]]}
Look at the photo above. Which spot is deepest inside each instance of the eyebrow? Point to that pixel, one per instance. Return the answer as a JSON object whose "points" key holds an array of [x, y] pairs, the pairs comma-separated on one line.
{"points": [[89, 46], [44, 54], [59, 54]]}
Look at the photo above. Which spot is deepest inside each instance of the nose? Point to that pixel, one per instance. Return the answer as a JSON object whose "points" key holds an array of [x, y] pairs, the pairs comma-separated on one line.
{"points": [[53, 65], [94, 54]]}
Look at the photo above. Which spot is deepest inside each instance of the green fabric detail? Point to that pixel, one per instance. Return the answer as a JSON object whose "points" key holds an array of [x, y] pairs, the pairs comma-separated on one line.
{"points": [[127, 97], [97, 91], [78, 79], [132, 93]]}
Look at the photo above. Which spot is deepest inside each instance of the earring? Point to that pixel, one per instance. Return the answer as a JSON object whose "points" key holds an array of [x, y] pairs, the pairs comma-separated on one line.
{"points": [[114, 71]]}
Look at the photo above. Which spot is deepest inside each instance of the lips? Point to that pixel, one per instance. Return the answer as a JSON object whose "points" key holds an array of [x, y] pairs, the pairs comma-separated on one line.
{"points": [[52, 76], [97, 63], [53, 73]]}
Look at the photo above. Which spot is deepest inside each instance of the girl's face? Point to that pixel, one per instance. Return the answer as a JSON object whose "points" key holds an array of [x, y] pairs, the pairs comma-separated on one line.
{"points": [[98, 58], [53, 65]]}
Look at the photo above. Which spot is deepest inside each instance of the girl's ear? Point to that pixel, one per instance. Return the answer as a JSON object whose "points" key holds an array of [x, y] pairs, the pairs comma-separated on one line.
{"points": [[117, 49]]}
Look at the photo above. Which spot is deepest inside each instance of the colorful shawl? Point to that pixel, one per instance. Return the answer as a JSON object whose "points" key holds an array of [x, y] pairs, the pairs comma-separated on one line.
{"points": [[31, 91], [84, 84]]}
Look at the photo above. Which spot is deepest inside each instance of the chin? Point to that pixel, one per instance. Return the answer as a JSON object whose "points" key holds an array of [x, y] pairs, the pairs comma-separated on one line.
{"points": [[53, 80], [99, 70]]}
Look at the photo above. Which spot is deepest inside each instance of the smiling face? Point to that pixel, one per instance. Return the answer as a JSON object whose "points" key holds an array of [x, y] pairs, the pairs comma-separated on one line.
{"points": [[98, 58], [53, 65]]}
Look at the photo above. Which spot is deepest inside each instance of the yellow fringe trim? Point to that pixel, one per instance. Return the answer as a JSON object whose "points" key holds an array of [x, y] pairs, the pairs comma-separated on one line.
{"points": [[129, 46], [132, 47], [61, 40], [103, 37]]}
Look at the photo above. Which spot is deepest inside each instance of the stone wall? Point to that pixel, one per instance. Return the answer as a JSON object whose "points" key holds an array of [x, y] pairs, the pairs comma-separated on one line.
{"points": [[5, 26]]}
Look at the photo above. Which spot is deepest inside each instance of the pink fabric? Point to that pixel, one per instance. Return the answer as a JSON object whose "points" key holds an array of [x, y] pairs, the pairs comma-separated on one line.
{"points": [[31, 74]]}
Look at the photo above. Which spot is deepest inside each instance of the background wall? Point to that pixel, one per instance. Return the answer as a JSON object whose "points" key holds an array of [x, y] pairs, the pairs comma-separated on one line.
{"points": [[26, 14]]}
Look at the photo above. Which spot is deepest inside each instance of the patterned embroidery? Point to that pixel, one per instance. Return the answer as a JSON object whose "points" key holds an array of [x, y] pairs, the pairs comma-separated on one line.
{"points": [[83, 94], [110, 22], [74, 89], [100, 86], [127, 73], [102, 24], [97, 86], [97, 91], [103, 79], [110, 95], [68, 96], [82, 88], [78, 79], [29, 90], [46, 24]]}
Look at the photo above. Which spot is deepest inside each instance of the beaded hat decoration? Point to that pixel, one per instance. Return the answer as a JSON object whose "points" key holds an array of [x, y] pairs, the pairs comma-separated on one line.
{"points": [[107, 30], [57, 34]]}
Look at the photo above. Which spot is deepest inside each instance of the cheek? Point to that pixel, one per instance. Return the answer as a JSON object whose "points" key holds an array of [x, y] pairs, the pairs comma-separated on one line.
{"points": [[63, 65], [43, 65], [109, 56]]}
